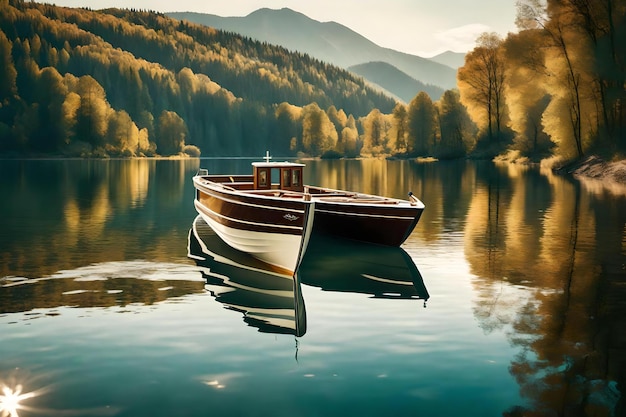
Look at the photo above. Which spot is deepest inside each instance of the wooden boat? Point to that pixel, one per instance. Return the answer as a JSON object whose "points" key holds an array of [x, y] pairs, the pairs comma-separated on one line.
{"points": [[269, 301], [273, 225], [347, 214]]}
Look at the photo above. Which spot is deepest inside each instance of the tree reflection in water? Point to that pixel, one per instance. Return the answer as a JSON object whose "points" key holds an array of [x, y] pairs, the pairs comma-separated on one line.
{"points": [[571, 328]]}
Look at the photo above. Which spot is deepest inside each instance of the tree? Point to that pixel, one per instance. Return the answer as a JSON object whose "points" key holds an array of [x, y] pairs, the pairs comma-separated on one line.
{"points": [[527, 94], [586, 32], [399, 128], [144, 146], [27, 70], [455, 126], [318, 132], [288, 125], [122, 134], [171, 133], [8, 91], [8, 73], [375, 138], [71, 105], [481, 83], [338, 117], [421, 125], [51, 91], [91, 118], [349, 142], [564, 61]]}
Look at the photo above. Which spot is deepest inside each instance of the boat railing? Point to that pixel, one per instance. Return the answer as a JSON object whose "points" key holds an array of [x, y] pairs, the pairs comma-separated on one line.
{"points": [[229, 178], [231, 186]]}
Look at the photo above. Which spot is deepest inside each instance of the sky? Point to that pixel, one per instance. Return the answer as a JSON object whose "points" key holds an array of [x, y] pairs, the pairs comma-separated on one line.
{"points": [[418, 27]]}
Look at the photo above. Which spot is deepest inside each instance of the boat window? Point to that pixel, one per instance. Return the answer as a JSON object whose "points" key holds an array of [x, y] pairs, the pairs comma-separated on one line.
{"points": [[295, 178], [286, 178], [262, 178]]}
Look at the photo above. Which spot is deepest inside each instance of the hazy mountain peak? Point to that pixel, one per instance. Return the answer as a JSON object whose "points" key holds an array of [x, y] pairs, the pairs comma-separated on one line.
{"points": [[451, 59], [283, 12]]}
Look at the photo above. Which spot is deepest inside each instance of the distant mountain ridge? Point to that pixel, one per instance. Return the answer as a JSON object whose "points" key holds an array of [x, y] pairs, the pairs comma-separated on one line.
{"points": [[393, 80], [451, 59], [328, 41]]}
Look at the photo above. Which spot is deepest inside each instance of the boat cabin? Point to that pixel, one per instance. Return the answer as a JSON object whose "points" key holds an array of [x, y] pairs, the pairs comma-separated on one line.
{"points": [[289, 175]]}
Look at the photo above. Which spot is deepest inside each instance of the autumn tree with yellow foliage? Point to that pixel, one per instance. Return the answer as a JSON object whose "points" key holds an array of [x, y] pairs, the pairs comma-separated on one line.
{"points": [[558, 83], [482, 85]]}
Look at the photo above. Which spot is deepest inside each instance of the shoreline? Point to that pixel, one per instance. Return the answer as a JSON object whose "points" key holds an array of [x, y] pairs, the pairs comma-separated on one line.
{"points": [[594, 167], [597, 174], [610, 175]]}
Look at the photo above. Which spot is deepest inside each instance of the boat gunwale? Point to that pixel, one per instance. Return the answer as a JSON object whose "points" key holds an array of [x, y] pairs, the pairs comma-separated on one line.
{"points": [[325, 195]]}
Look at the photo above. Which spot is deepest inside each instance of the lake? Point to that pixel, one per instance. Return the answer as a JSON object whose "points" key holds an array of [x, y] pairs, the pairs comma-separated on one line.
{"points": [[509, 298]]}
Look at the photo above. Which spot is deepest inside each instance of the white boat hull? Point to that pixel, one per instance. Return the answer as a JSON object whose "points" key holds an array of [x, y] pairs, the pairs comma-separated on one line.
{"points": [[246, 226]]}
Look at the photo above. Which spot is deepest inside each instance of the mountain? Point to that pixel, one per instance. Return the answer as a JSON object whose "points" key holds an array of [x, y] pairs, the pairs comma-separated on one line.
{"points": [[394, 81], [452, 59], [328, 41]]}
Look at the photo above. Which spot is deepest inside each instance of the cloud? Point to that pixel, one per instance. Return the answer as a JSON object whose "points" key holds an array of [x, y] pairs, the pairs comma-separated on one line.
{"points": [[461, 38]]}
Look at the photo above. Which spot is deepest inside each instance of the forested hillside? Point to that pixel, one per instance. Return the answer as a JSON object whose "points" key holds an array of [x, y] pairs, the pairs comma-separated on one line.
{"points": [[128, 82]]}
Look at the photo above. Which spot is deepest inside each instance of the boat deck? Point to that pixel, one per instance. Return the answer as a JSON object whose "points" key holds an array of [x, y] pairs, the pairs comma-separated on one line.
{"points": [[245, 185], [338, 196]]}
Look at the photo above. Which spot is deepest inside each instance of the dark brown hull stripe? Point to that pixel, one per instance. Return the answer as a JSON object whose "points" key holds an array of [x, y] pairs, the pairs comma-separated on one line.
{"points": [[353, 214]]}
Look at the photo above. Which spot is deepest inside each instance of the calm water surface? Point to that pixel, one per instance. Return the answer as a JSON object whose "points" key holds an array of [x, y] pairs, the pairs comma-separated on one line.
{"points": [[102, 312]]}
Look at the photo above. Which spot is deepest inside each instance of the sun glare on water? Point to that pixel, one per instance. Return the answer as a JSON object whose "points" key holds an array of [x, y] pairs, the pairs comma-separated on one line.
{"points": [[10, 400]]}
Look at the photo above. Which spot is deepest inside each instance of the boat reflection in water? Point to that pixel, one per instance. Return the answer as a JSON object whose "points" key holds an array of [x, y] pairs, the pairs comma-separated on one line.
{"points": [[350, 266], [271, 300]]}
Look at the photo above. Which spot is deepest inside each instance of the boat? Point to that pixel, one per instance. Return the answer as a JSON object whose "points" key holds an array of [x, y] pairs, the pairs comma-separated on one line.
{"points": [[270, 301], [364, 268], [346, 214], [252, 215]]}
